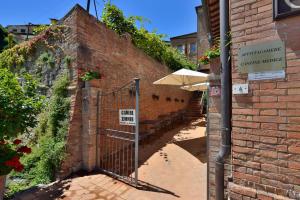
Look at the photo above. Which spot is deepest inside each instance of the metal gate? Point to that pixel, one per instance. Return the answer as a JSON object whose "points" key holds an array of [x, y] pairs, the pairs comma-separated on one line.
{"points": [[118, 132]]}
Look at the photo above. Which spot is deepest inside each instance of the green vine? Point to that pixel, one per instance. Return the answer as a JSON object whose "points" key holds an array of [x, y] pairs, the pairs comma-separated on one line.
{"points": [[48, 145], [37, 30], [15, 57], [150, 42]]}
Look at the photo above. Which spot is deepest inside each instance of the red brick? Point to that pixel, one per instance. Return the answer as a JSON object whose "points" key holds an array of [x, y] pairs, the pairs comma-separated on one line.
{"points": [[243, 190], [289, 98], [264, 197], [269, 112], [269, 126], [289, 127], [294, 84], [246, 124], [294, 165], [245, 111], [294, 120], [267, 86], [268, 99], [294, 149], [269, 119], [243, 150], [294, 91], [293, 70], [267, 154], [247, 177], [293, 135], [265, 8], [270, 92], [294, 112], [270, 140], [270, 105]]}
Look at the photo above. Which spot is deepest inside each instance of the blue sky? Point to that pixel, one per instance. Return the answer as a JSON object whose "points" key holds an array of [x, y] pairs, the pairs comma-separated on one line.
{"points": [[170, 17]]}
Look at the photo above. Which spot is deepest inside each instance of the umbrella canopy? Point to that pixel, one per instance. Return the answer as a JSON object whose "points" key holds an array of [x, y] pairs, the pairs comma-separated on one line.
{"points": [[183, 77], [196, 87]]}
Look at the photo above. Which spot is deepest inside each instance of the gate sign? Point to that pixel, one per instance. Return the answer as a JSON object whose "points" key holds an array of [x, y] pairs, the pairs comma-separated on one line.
{"points": [[127, 117]]}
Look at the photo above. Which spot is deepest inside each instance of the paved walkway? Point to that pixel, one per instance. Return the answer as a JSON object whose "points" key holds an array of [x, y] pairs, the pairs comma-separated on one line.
{"points": [[177, 170]]}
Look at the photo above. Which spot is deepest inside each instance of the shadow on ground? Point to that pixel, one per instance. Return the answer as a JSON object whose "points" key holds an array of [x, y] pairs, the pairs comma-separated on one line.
{"points": [[196, 147]]}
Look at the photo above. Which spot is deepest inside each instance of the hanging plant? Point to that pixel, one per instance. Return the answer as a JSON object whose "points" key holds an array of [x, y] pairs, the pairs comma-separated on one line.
{"points": [[213, 52], [90, 75], [204, 60]]}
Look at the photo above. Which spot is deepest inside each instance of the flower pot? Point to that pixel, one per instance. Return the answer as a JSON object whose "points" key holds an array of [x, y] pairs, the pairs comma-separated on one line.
{"points": [[215, 66], [92, 83], [86, 84], [2, 186]]}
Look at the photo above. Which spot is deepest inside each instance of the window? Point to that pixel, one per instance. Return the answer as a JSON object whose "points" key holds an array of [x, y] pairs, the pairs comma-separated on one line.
{"points": [[285, 8], [193, 48], [23, 30], [180, 48], [15, 30]]}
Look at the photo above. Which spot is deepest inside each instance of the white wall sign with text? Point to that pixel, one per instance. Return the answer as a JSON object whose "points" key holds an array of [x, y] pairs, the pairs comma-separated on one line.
{"points": [[127, 117], [267, 75]]}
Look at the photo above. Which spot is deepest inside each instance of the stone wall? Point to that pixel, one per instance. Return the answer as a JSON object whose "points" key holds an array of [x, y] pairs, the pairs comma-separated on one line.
{"points": [[118, 61], [266, 131]]}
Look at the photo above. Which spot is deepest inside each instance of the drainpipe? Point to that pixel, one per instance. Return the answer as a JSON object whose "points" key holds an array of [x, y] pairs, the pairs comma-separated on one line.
{"points": [[225, 100]]}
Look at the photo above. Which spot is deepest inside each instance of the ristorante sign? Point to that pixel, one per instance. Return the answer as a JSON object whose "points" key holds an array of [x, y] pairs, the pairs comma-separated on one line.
{"points": [[285, 8], [265, 56]]}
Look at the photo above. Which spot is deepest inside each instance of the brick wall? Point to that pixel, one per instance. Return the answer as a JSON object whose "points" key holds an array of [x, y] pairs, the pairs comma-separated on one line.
{"points": [[118, 61], [266, 130]]}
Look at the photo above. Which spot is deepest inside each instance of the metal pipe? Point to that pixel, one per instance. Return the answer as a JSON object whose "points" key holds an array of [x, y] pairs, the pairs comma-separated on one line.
{"points": [[225, 99], [136, 152]]}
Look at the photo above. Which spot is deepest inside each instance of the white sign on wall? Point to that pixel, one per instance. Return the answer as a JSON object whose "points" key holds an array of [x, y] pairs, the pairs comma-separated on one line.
{"points": [[240, 89], [127, 117], [267, 75]]}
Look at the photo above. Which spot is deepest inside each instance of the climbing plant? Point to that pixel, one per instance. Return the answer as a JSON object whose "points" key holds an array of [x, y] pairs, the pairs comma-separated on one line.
{"points": [[150, 42], [48, 142], [15, 57]]}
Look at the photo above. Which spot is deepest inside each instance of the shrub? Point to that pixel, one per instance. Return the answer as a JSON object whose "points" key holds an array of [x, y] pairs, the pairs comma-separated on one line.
{"points": [[150, 42]]}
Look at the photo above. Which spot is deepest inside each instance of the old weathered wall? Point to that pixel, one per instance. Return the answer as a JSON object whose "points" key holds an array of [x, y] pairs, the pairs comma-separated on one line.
{"points": [[118, 61], [266, 131], [73, 161]]}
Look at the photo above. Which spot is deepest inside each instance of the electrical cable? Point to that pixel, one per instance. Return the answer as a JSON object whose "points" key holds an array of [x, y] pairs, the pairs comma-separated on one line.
{"points": [[96, 10]]}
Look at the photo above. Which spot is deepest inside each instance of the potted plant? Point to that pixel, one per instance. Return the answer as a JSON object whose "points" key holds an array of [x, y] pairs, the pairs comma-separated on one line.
{"points": [[211, 56], [90, 78]]}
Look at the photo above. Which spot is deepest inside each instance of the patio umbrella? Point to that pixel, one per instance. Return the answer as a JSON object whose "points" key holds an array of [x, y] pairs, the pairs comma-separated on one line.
{"points": [[196, 87], [183, 77]]}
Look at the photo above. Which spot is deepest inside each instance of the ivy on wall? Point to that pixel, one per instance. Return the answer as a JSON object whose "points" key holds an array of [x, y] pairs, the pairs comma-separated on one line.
{"points": [[150, 42], [15, 57]]}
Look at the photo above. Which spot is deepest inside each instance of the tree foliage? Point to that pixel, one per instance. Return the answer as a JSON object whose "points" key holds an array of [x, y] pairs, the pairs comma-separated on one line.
{"points": [[3, 38], [150, 42], [18, 105]]}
